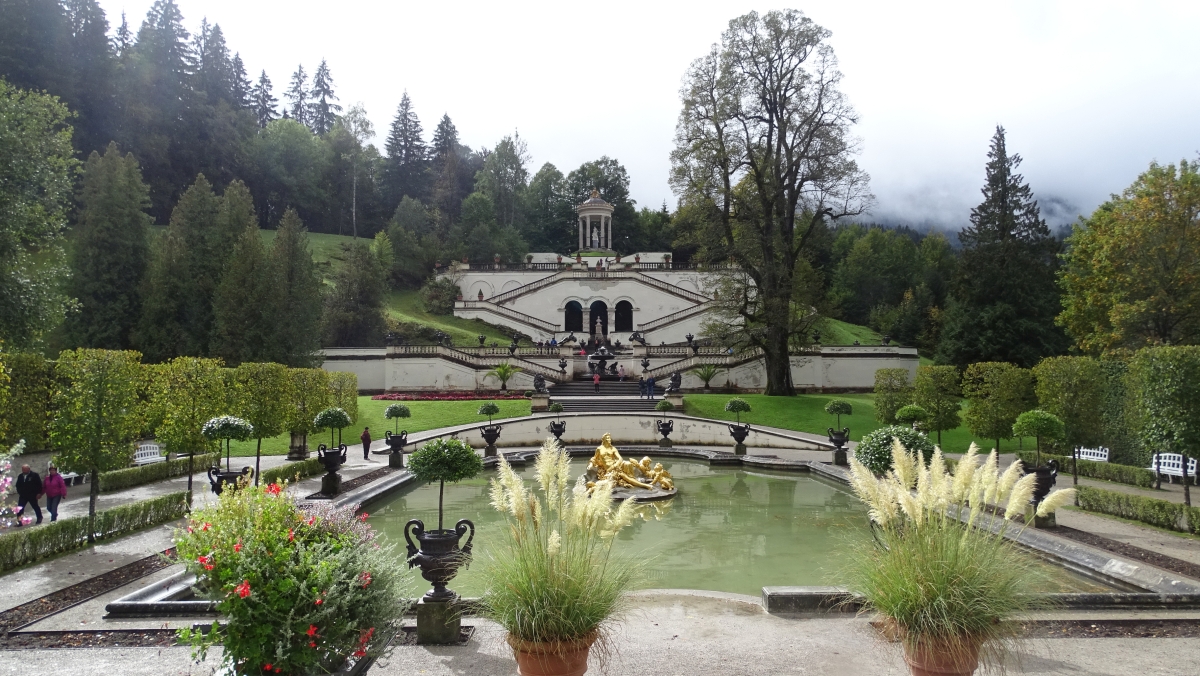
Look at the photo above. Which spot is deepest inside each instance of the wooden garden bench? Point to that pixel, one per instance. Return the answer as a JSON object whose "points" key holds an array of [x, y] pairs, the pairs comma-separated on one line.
{"points": [[147, 452], [1094, 454], [1171, 465]]}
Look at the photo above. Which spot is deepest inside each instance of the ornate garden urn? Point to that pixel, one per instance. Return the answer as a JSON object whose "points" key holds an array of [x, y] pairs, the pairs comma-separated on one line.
{"points": [[490, 434], [739, 434], [1047, 476], [332, 459], [839, 439], [396, 442], [557, 428], [217, 479], [438, 555], [665, 427]]}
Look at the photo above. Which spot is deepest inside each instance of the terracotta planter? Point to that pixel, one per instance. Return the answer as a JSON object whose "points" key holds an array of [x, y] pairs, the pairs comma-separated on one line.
{"points": [[935, 660], [551, 659]]}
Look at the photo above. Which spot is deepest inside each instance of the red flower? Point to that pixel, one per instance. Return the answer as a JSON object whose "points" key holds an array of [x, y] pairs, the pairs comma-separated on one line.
{"points": [[267, 666], [273, 489], [205, 527], [318, 602], [291, 535], [243, 589], [312, 644], [366, 579], [312, 520], [363, 517], [360, 653], [206, 561], [312, 630], [237, 547]]}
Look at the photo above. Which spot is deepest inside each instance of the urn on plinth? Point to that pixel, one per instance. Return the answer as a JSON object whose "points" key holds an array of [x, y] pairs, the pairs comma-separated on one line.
{"points": [[491, 433], [396, 444], [665, 427], [739, 434], [332, 459], [839, 439]]}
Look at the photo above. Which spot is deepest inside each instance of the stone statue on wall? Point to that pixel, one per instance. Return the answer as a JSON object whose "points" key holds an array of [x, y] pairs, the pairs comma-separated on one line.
{"points": [[539, 384], [676, 383]]}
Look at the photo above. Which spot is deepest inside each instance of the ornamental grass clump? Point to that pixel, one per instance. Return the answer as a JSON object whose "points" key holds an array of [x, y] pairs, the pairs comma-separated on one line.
{"points": [[553, 579], [300, 591], [940, 566]]}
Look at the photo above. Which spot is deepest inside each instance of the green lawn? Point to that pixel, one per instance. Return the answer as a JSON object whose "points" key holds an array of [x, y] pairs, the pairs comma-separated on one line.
{"points": [[805, 413], [838, 332], [426, 415], [406, 306]]}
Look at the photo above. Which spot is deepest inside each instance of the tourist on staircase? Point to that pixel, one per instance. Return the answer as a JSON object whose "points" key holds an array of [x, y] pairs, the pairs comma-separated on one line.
{"points": [[596, 380], [641, 387], [650, 387]]}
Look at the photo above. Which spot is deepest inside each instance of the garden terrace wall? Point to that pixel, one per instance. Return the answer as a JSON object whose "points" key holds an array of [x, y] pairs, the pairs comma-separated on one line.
{"points": [[1108, 471]]}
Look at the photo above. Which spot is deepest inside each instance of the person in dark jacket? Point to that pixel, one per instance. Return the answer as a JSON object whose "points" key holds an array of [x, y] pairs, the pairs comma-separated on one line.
{"points": [[641, 386], [650, 387], [29, 490], [366, 441]]}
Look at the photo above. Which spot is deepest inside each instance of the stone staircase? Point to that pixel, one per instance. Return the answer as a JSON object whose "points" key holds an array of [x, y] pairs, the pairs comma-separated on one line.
{"points": [[579, 396]]}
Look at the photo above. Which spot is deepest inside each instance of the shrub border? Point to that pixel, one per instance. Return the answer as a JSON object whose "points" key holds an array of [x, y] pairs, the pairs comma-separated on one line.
{"points": [[305, 468], [120, 479], [1152, 511], [1107, 471]]}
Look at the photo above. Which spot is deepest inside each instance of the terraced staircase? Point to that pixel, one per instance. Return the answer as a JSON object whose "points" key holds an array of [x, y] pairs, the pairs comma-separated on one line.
{"points": [[615, 396]]}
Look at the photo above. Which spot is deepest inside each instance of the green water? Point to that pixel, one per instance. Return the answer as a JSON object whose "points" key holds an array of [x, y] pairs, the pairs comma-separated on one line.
{"points": [[727, 530]]}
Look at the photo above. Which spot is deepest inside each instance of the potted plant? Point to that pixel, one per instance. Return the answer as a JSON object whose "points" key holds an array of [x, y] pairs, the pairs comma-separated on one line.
{"points": [[913, 416], [441, 460], [344, 598], [705, 372], [875, 449], [739, 432], [940, 568], [667, 259], [490, 432], [396, 441], [226, 427], [528, 258], [554, 583], [560, 259], [557, 427], [504, 371], [332, 457], [840, 436], [1041, 425]]}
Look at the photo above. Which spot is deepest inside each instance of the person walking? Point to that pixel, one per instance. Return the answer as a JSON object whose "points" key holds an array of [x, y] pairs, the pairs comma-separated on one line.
{"points": [[650, 387], [55, 489], [29, 490], [641, 386], [366, 442], [621, 372], [596, 380]]}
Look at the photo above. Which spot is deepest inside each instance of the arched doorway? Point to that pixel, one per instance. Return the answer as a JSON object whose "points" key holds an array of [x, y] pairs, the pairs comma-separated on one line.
{"points": [[573, 319], [599, 314], [624, 316]]}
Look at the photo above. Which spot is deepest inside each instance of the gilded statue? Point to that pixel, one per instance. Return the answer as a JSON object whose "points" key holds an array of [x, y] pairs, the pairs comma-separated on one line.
{"points": [[607, 463]]}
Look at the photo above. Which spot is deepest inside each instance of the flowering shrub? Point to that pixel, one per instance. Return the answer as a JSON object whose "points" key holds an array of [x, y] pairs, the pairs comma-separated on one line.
{"points": [[875, 449], [301, 590], [8, 514], [470, 395], [227, 427]]}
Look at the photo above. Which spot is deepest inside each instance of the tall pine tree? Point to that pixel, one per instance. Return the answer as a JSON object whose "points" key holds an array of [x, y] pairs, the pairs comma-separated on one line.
{"points": [[297, 95], [263, 101], [322, 109], [241, 87], [109, 253], [354, 308], [244, 311], [406, 154], [196, 219], [163, 331], [447, 193], [235, 215], [1005, 298], [297, 296]]}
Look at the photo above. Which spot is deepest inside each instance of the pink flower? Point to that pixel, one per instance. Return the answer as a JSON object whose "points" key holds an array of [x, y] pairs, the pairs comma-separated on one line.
{"points": [[291, 535], [365, 578], [205, 527], [243, 589]]}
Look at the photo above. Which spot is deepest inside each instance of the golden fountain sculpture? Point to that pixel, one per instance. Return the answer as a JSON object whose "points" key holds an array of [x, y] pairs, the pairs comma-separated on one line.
{"points": [[607, 463]]}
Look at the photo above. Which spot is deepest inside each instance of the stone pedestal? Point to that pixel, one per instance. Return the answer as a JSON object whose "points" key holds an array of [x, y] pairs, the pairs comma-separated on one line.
{"points": [[664, 443], [438, 622], [298, 448], [739, 449], [675, 399], [331, 483], [1036, 521], [539, 402], [839, 457], [567, 351], [489, 451], [396, 460], [640, 350]]}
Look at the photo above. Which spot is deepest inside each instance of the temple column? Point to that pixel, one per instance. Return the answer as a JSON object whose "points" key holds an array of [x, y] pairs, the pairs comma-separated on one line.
{"points": [[581, 222], [607, 244]]}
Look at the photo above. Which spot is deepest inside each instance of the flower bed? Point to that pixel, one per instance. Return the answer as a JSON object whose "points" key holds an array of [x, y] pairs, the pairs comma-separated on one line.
{"points": [[466, 395]]}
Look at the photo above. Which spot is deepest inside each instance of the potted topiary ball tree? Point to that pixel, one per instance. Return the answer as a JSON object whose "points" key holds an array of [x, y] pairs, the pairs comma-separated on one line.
{"points": [[437, 552], [557, 427], [841, 435], [396, 441], [226, 428], [490, 432], [1041, 425], [738, 406], [332, 457]]}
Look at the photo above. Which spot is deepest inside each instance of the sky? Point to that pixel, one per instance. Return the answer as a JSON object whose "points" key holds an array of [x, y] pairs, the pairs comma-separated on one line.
{"points": [[1090, 93]]}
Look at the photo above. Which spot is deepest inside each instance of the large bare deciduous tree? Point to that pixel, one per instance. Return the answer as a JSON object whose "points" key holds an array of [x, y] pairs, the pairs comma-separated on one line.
{"points": [[765, 157]]}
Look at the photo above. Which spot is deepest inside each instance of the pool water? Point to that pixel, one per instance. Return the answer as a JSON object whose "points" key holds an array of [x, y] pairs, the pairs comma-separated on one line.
{"points": [[728, 529]]}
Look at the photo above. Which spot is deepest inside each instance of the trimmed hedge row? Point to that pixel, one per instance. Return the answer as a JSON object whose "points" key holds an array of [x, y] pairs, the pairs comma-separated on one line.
{"points": [[1161, 513], [1108, 471], [305, 468], [121, 479], [20, 546]]}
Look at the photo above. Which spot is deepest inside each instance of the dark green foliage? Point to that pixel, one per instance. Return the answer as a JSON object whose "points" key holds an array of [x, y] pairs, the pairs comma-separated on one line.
{"points": [[244, 308], [162, 330], [1117, 432], [1108, 471], [322, 109], [489, 409], [839, 408], [109, 252], [1164, 388], [438, 295], [263, 101], [443, 460], [297, 296], [892, 391], [996, 394], [875, 449], [550, 213], [120, 479], [663, 405], [1005, 298], [406, 155], [292, 471], [22, 546], [27, 413], [555, 408], [195, 218], [354, 308], [1160, 513]]}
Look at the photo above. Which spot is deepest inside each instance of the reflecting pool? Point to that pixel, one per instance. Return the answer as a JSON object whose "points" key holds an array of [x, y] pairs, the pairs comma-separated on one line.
{"points": [[728, 529]]}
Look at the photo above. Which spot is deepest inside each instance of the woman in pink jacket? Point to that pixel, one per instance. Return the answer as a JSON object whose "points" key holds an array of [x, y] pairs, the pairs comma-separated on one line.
{"points": [[55, 489]]}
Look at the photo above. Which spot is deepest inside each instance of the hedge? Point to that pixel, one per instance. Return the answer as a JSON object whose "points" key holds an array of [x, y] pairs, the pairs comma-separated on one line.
{"points": [[305, 468], [1108, 471], [121, 479], [20, 546], [1161, 513]]}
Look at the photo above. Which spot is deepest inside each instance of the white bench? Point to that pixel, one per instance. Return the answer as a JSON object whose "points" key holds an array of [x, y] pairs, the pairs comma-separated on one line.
{"points": [[1171, 465], [1094, 454], [147, 452]]}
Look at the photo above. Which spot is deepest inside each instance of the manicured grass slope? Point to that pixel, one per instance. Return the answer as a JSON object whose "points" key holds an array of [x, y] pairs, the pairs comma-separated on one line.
{"points": [[806, 413], [406, 306], [426, 415], [838, 332]]}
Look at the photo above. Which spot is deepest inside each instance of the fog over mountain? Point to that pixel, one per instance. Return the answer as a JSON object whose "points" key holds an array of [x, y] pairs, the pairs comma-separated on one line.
{"points": [[1090, 92]]}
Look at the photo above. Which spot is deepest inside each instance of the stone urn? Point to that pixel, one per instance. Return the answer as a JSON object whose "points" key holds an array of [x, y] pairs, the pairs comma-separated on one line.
{"points": [[557, 428], [1047, 476], [396, 443], [332, 459], [491, 433], [839, 440], [739, 434], [438, 555], [665, 427], [217, 479]]}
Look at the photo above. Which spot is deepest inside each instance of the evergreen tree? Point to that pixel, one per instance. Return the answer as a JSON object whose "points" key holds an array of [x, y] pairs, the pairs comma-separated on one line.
{"points": [[264, 102], [123, 41], [297, 296], [1005, 298], [406, 154], [504, 178], [549, 213], [297, 94], [243, 306], [354, 308], [108, 258], [235, 215], [196, 219], [92, 68], [242, 88], [447, 193], [214, 68], [322, 109], [163, 329]]}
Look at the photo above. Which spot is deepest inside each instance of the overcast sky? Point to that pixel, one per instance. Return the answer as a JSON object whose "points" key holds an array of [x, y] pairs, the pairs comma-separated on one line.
{"points": [[1090, 92]]}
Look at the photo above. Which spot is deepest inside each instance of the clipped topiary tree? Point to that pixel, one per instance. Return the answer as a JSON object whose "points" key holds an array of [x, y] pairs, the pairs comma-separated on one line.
{"points": [[225, 428], [1039, 425], [443, 460], [187, 392], [996, 393], [892, 391], [489, 409], [839, 408], [309, 395], [912, 415], [875, 449], [664, 405], [262, 396], [1165, 384], [330, 419], [938, 390], [343, 393], [737, 406], [396, 412]]}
